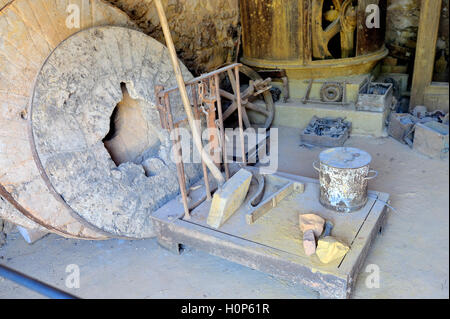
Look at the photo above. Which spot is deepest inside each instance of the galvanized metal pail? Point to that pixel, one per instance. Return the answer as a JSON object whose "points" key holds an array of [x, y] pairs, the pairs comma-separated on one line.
{"points": [[343, 176]]}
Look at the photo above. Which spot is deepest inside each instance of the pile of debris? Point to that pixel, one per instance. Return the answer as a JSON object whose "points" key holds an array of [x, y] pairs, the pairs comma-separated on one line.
{"points": [[424, 131], [328, 132]]}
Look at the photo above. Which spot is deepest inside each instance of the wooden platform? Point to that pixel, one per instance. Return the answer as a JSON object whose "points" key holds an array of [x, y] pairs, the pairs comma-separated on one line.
{"points": [[273, 243]]}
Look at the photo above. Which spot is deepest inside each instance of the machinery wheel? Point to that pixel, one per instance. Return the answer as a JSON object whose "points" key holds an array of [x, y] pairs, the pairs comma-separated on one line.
{"points": [[248, 105], [29, 31], [97, 77]]}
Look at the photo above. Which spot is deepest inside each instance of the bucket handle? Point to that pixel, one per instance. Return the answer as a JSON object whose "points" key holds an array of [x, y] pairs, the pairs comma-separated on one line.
{"points": [[315, 167], [375, 174]]}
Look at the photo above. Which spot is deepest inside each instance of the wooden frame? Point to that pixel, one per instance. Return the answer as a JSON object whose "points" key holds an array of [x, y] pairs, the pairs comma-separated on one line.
{"points": [[423, 90]]}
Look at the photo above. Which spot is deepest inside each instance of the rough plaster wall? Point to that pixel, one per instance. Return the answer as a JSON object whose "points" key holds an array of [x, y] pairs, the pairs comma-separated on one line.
{"points": [[205, 32]]}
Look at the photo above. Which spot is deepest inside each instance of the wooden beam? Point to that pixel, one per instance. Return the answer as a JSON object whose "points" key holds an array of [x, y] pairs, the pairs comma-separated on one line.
{"points": [[430, 13]]}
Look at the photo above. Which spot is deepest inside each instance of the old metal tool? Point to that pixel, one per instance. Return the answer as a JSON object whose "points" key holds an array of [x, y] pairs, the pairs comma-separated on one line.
{"points": [[208, 99]]}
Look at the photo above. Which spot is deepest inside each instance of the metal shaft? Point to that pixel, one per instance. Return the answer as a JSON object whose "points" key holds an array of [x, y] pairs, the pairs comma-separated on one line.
{"points": [[34, 284]]}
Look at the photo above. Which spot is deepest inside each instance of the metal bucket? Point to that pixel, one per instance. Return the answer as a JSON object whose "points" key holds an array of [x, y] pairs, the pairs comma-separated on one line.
{"points": [[343, 176]]}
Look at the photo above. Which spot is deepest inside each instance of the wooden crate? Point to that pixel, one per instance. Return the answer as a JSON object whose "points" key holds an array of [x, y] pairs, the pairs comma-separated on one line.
{"points": [[374, 102], [431, 139]]}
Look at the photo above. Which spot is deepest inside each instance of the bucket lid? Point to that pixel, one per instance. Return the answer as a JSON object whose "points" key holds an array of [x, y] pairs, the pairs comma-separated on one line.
{"points": [[345, 157]]}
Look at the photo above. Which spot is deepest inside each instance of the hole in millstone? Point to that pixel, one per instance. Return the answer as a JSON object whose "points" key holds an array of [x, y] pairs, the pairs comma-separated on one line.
{"points": [[130, 135]]}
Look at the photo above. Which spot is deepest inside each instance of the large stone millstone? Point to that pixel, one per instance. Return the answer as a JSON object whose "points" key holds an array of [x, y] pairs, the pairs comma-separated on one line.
{"points": [[76, 93], [29, 31]]}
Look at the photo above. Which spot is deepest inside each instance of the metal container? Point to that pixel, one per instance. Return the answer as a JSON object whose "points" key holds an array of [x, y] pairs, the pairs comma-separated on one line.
{"points": [[343, 176], [279, 34]]}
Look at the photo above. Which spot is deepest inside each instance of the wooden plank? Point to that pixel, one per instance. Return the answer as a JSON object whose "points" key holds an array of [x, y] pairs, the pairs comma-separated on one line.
{"points": [[279, 227], [271, 202], [430, 12], [354, 260]]}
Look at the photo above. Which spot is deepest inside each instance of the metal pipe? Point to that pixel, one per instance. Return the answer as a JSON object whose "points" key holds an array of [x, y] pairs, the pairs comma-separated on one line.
{"points": [[34, 284]]}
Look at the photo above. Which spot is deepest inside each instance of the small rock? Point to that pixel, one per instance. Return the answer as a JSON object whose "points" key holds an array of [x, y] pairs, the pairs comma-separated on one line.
{"points": [[329, 249], [311, 222], [309, 242]]}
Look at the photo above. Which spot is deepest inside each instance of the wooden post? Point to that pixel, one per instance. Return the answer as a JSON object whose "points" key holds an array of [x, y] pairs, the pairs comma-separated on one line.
{"points": [[430, 12]]}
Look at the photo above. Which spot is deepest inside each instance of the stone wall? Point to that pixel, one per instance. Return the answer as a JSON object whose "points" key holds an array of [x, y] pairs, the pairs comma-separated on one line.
{"points": [[401, 27], [205, 32], [441, 66]]}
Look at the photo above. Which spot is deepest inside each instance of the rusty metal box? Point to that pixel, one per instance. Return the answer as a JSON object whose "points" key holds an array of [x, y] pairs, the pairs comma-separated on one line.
{"points": [[308, 137], [375, 97], [431, 139], [400, 124]]}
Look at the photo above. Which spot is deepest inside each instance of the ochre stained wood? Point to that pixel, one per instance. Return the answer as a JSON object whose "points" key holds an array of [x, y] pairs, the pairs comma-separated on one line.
{"points": [[430, 12]]}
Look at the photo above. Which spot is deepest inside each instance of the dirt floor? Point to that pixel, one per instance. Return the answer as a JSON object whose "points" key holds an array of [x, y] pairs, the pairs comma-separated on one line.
{"points": [[412, 252]]}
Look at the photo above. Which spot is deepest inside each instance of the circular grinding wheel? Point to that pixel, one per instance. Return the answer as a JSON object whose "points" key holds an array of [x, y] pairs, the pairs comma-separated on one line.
{"points": [[29, 31], [96, 77]]}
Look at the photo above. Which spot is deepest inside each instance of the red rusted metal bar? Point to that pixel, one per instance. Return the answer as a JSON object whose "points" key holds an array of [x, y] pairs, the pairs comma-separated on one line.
{"points": [[178, 159], [197, 118], [221, 126], [210, 102], [239, 103], [160, 108], [202, 77]]}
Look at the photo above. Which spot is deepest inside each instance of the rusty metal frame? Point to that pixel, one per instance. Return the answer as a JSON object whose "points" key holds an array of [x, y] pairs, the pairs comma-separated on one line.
{"points": [[205, 91]]}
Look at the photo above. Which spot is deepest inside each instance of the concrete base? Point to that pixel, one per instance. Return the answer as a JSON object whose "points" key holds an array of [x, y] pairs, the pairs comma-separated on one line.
{"points": [[297, 115], [298, 88]]}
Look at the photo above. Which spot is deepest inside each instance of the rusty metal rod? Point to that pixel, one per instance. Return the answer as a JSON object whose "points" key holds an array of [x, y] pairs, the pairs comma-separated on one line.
{"points": [[180, 155], [203, 77], [181, 178], [221, 126], [197, 118], [239, 103]]}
